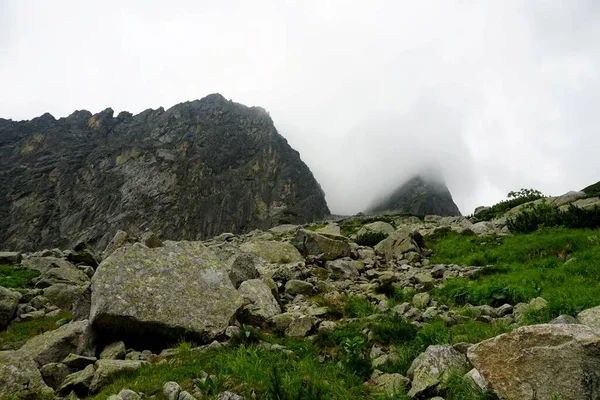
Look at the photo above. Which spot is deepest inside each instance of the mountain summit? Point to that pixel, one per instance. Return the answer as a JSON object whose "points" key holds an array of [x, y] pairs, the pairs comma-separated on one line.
{"points": [[196, 170], [421, 195]]}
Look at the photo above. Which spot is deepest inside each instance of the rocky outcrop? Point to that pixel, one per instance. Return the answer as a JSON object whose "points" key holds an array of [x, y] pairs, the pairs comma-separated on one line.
{"points": [[20, 378], [421, 195], [194, 171], [541, 362], [161, 295]]}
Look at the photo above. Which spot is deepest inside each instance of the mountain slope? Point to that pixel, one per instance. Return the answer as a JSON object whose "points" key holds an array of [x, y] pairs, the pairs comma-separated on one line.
{"points": [[196, 170], [419, 196]]}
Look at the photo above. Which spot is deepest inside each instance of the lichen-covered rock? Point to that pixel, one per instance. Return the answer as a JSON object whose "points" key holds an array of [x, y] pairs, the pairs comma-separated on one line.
{"points": [[329, 247], [8, 305], [78, 361], [114, 351], [78, 382], [54, 374], [299, 327], [128, 394], [273, 251], [540, 362], [163, 294], [433, 368], [82, 304], [54, 346], [68, 274], [399, 243], [389, 384], [345, 268], [242, 267], [259, 303], [590, 317], [63, 295], [296, 286], [20, 378], [108, 369], [10, 258]]}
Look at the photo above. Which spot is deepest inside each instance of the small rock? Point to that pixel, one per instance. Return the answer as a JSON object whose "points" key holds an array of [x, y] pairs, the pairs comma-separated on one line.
{"points": [[79, 382], [432, 369], [564, 319], [114, 351], [171, 390], [128, 394], [389, 384], [421, 300], [78, 362], [299, 327], [107, 369], [475, 377], [538, 304], [229, 396], [54, 374], [294, 287]]}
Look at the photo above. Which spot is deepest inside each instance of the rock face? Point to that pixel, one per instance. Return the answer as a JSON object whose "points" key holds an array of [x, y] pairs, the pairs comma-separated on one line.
{"points": [[541, 362], [156, 296], [419, 196], [196, 170]]}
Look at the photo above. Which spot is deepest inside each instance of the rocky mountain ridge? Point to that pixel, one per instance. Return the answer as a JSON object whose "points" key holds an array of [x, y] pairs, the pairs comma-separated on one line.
{"points": [[190, 172]]}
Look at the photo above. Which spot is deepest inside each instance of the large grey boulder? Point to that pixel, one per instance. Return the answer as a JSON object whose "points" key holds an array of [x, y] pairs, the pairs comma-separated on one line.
{"points": [[153, 296], [8, 305], [399, 243], [66, 273], [329, 247], [54, 346], [78, 382], [10, 258], [541, 362], [63, 295], [242, 267], [273, 251], [54, 374], [345, 268], [590, 317], [259, 303], [20, 378], [82, 304], [376, 227], [43, 264], [433, 368]]}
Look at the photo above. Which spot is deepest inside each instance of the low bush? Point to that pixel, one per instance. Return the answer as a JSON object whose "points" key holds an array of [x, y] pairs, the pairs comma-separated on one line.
{"points": [[14, 277], [370, 238], [515, 199], [544, 215]]}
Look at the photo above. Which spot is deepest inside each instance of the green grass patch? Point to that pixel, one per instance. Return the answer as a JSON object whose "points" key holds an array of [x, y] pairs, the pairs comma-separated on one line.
{"points": [[19, 331], [559, 264], [315, 227], [357, 307], [14, 277]]}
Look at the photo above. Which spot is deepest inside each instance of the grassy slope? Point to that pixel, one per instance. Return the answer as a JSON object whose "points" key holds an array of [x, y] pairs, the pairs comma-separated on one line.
{"points": [[12, 277]]}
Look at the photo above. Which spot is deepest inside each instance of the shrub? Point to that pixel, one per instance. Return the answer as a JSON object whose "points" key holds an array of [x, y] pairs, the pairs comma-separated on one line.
{"points": [[515, 199], [371, 238], [14, 277], [544, 215]]}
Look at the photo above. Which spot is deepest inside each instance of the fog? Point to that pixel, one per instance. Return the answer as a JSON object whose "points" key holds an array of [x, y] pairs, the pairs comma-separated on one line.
{"points": [[497, 95]]}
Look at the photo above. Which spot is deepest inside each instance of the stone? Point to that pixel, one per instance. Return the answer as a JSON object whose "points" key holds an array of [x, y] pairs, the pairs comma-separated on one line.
{"points": [[151, 240], [421, 300], [128, 394], [43, 264], [299, 327], [273, 251], [120, 239], [8, 305], [389, 384], [433, 368], [327, 326], [10, 258], [295, 286], [20, 378], [345, 268], [284, 229], [69, 274], [78, 382], [77, 361], [82, 253], [88, 270], [114, 351], [541, 361], [331, 228], [329, 247], [424, 278], [565, 319], [197, 299], [30, 316], [171, 390], [537, 304], [242, 267], [475, 377], [399, 243], [259, 303], [54, 374], [54, 346], [107, 369], [229, 396], [479, 210], [82, 304], [590, 317], [376, 227], [63, 295]]}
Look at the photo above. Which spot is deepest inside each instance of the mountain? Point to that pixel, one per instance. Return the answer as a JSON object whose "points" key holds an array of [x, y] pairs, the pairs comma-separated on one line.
{"points": [[420, 195], [193, 171]]}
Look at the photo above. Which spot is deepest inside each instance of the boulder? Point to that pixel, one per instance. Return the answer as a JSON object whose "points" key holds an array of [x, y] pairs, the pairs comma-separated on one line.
{"points": [[272, 251], [376, 227], [331, 228], [54, 374], [296, 286], [329, 247], [564, 319], [10, 258], [54, 346], [120, 239], [82, 253], [114, 351], [77, 361], [259, 303], [150, 239], [590, 317], [400, 242], [63, 295], [43, 264], [242, 267], [20, 378], [299, 327], [108, 369], [8, 305], [197, 299], [82, 304], [433, 368], [389, 384], [128, 394], [541, 362], [345, 267], [78, 382], [68, 274]]}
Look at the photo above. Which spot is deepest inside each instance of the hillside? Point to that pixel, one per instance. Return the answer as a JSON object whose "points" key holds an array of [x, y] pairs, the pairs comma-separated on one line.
{"points": [[193, 171]]}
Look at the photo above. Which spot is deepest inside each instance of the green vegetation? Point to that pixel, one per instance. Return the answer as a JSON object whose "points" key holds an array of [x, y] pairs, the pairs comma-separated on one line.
{"points": [[592, 190], [19, 331], [370, 238], [559, 264], [314, 227], [535, 216], [515, 199], [352, 225], [13, 277]]}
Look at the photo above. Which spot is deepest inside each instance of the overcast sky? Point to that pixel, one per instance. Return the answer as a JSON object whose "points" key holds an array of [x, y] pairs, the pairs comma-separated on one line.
{"points": [[500, 94]]}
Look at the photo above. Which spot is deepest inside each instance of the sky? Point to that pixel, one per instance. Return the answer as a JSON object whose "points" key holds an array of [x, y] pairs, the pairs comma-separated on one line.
{"points": [[499, 95]]}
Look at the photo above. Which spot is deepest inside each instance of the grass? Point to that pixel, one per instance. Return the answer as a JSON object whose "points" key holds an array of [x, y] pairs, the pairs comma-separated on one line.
{"points": [[315, 227], [19, 331], [12, 277], [559, 264]]}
